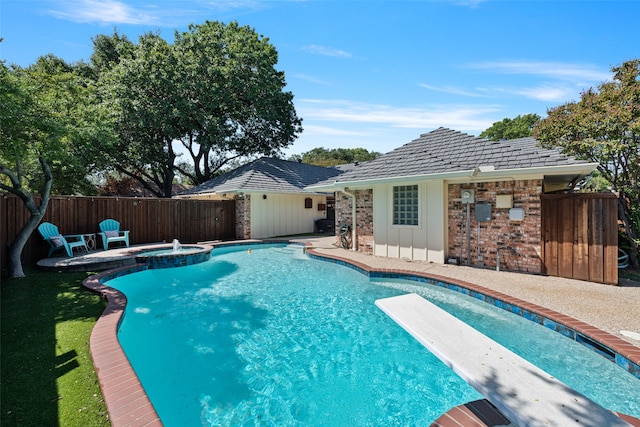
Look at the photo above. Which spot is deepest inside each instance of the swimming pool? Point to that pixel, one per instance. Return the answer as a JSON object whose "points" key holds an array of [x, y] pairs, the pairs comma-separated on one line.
{"points": [[277, 337]]}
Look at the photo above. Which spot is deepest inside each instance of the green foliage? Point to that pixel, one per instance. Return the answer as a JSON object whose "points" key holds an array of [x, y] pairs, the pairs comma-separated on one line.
{"points": [[596, 183], [69, 92], [27, 129], [140, 94], [518, 127], [234, 103], [47, 112], [108, 51], [215, 90], [604, 127], [336, 156], [48, 377]]}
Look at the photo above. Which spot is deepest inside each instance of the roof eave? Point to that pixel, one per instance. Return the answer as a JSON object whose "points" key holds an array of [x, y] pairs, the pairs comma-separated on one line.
{"points": [[225, 194], [337, 185], [576, 169], [471, 174]]}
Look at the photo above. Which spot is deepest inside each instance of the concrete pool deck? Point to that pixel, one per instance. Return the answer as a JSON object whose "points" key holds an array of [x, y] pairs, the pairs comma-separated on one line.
{"points": [[606, 312]]}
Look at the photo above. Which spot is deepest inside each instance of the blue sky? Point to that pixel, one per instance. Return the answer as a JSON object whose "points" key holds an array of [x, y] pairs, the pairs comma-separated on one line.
{"points": [[374, 74]]}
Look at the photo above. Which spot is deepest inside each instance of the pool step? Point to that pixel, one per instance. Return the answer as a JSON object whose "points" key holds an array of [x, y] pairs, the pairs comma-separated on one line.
{"points": [[524, 393]]}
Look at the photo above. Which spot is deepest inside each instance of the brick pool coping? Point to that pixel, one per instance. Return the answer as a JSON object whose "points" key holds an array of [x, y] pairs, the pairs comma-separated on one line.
{"points": [[129, 406]]}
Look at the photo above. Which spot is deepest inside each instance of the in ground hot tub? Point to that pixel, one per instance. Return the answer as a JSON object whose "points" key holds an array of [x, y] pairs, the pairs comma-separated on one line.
{"points": [[174, 255]]}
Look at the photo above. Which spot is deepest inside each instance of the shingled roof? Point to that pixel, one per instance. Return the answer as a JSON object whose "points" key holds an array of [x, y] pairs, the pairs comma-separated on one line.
{"points": [[266, 175], [445, 151]]}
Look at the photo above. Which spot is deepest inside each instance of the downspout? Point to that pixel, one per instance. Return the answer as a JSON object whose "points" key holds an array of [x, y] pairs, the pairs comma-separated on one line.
{"points": [[354, 240]]}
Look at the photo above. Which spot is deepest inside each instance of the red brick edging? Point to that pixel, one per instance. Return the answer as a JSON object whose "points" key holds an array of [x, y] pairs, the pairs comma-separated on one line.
{"points": [[127, 402]]}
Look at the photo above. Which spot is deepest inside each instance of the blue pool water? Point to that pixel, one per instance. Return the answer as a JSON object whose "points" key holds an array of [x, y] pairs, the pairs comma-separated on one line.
{"points": [[273, 337]]}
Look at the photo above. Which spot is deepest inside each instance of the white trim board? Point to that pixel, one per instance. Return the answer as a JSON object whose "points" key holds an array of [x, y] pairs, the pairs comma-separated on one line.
{"points": [[524, 393]]}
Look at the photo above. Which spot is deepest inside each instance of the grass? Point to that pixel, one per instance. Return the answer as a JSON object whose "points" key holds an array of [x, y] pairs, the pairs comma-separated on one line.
{"points": [[47, 374]]}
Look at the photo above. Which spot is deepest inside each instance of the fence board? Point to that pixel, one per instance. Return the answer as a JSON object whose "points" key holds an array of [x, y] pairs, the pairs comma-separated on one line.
{"points": [[580, 236], [149, 220], [596, 235], [565, 244], [581, 240], [549, 244], [610, 225]]}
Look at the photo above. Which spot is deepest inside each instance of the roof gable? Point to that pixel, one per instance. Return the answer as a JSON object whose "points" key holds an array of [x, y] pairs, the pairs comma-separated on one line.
{"points": [[267, 175]]}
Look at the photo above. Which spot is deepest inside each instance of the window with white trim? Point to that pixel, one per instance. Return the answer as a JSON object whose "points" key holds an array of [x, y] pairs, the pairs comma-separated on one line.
{"points": [[405, 205]]}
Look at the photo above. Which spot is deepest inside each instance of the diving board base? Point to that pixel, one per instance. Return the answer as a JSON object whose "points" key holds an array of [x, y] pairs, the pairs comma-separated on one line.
{"points": [[524, 393]]}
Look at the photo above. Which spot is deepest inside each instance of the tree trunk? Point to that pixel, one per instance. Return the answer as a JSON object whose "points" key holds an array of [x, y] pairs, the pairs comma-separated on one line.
{"points": [[37, 212], [16, 247]]}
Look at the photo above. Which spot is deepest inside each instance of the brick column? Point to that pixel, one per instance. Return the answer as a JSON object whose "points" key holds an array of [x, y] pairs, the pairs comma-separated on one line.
{"points": [[364, 217], [243, 217]]}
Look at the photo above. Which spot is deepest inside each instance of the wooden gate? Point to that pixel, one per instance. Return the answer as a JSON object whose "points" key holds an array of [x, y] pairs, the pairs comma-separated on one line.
{"points": [[580, 236]]}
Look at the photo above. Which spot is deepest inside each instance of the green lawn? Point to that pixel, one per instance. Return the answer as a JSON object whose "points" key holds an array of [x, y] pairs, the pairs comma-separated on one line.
{"points": [[47, 375]]}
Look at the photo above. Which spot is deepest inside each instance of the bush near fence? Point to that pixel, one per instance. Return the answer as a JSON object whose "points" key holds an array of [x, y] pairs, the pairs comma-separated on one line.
{"points": [[149, 220]]}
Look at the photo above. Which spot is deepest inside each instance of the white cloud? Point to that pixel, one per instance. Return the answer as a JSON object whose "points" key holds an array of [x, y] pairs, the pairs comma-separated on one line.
{"points": [[167, 13], [225, 5], [331, 131], [459, 117], [545, 81], [543, 92], [338, 123], [555, 70], [103, 12], [546, 93], [454, 90], [311, 79], [471, 3], [326, 51]]}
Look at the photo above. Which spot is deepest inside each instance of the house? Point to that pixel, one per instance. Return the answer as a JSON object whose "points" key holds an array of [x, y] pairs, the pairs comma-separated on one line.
{"points": [[270, 195], [449, 197]]}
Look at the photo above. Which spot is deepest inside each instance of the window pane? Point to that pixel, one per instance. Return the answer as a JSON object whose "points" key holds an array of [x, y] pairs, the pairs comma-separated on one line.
{"points": [[405, 205]]}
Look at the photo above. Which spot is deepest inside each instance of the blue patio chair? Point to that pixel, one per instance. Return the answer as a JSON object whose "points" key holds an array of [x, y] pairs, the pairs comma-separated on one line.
{"points": [[110, 232], [51, 235]]}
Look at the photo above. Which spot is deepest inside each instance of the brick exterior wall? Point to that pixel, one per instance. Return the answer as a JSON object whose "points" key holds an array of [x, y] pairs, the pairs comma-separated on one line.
{"points": [[243, 217], [519, 242], [364, 217]]}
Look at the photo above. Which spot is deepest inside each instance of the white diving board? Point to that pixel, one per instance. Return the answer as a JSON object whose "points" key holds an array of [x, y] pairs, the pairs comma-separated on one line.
{"points": [[524, 393]]}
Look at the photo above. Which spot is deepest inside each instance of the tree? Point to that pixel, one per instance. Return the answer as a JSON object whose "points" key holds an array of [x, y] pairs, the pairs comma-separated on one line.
{"points": [[69, 92], [215, 91], [108, 51], [518, 127], [26, 131], [142, 95], [237, 106], [604, 127], [335, 156], [47, 119]]}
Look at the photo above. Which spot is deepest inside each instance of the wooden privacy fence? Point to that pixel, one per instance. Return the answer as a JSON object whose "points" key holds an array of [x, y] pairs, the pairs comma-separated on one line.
{"points": [[149, 220], [580, 236]]}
